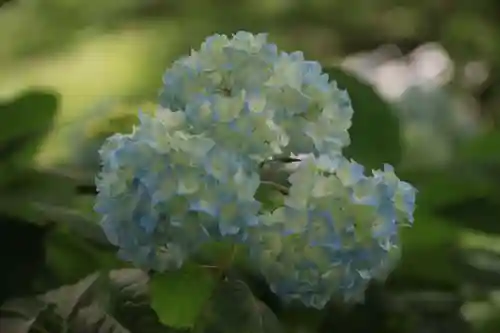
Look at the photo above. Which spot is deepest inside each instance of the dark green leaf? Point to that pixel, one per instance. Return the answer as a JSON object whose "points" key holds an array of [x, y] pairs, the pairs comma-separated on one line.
{"points": [[70, 298], [94, 318], [32, 112], [482, 156], [178, 297], [481, 267], [131, 301], [32, 194], [302, 319], [233, 308], [83, 307], [48, 196], [71, 257], [439, 187], [24, 123], [56, 308], [117, 302], [375, 133], [19, 315], [434, 240], [77, 222], [483, 149], [480, 213]]}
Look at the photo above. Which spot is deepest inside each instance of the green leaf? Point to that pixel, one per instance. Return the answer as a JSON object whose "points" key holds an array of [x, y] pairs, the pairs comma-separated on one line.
{"points": [[28, 195], [131, 301], [59, 308], [480, 213], [32, 112], [69, 299], [44, 197], [375, 132], [22, 315], [234, 308], [302, 319], [178, 297], [482, 149], [434, 241], [77, 222], [24, 123], [439, 187], [482, 156], [70, 257], [117, 302]]}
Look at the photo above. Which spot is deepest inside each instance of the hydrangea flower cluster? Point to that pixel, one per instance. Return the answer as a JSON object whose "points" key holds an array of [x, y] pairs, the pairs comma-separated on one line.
{"points": [[269, 103], [335, 232], [163, 191], [189, 174]]}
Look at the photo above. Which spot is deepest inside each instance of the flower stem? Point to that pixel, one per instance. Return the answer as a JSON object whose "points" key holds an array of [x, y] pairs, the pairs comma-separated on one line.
{"points": [[281, 188]]}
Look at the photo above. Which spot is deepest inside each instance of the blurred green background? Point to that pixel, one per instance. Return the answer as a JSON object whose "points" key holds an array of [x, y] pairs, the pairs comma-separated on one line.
{"points": [[73, 72]]}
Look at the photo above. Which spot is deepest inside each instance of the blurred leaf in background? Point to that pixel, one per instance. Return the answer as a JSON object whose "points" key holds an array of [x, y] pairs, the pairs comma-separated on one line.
{"points": [[26, 121], [375, 133]]}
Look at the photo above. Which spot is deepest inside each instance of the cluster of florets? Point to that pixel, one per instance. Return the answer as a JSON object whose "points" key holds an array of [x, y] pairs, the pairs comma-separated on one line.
{"points": [[336, 230], [189, 174]]}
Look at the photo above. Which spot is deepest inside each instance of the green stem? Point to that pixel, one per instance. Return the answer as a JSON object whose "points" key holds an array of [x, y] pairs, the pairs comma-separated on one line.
{"points": [[281, 188]]}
